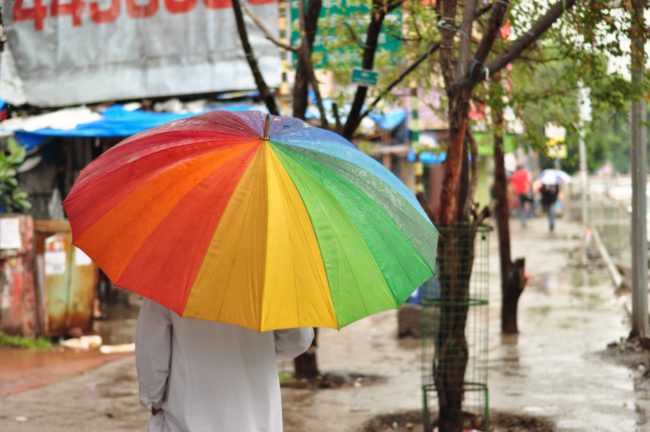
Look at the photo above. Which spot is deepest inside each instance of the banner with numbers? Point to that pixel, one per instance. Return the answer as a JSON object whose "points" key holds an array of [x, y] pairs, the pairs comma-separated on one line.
{"points": [[83, 51]]}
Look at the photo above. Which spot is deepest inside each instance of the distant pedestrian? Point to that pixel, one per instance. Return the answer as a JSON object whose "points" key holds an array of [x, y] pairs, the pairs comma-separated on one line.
{"points": [[549, 195], [206, 376], [521, 181]]}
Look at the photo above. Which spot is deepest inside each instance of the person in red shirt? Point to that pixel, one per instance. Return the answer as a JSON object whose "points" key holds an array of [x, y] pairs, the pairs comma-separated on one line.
{"points": [[521, 181]]}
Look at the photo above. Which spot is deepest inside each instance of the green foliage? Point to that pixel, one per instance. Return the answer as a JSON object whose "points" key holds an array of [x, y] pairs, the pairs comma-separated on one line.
{"points": [[23, 342], [405, 35], [286, 377], [543, 83], [545, 93], [609, 139], [582, 48], [548, 93], [12, 198]]}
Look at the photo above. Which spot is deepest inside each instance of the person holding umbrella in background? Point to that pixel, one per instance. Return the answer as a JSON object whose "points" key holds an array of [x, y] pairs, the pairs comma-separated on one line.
{"points": [[551, 180]]}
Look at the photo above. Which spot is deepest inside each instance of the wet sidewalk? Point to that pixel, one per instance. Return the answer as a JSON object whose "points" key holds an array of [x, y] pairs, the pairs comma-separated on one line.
{"points": [[567, 316], [26, 369], [22, 370], [553, 368]]}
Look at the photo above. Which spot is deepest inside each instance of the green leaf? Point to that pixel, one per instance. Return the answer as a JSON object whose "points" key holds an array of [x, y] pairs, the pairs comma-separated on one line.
{"points": [[24, 204]]}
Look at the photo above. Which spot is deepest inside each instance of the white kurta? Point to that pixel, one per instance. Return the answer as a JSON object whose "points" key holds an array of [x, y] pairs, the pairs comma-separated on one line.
{"points": [[208, 376]]}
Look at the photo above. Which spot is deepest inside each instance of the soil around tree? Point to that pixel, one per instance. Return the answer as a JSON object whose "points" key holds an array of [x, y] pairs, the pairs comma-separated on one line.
{"points": [[411, 421], [633, 353]]}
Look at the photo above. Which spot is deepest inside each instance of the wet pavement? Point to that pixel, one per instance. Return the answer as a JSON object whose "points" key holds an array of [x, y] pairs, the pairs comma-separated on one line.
{"points": [[26, 369], [22, 369], [553, 368], [568, 315]]}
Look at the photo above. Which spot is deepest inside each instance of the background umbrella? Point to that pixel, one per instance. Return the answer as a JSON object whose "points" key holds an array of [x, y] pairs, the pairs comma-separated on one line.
{"points": [[554, 176], [263, 222]]}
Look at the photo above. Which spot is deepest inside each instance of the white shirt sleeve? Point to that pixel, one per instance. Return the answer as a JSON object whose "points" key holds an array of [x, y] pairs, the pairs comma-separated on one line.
{"points": [[153, 348], [292, 342]]}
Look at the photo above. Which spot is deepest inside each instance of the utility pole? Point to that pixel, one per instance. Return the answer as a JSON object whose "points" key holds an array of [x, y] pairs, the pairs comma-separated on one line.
{"points": [[639, 178], [585, 117]]}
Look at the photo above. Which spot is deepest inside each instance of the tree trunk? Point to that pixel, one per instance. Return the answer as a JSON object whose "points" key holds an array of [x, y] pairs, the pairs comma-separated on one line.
{"points": [[379, 11], [458, 112], [456, 258], [303, 72], [514, 286], [455, 262], [513, 278], [260, 83]]}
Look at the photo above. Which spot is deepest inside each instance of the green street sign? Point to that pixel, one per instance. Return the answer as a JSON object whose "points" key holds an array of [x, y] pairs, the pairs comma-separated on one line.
{"points": [[364, 77]]}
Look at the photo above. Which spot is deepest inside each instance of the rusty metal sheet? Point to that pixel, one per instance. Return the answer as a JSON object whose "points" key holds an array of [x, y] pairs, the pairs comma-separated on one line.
{"points": [[68, 279], [83, 282], [56, 276], [18, 298]]}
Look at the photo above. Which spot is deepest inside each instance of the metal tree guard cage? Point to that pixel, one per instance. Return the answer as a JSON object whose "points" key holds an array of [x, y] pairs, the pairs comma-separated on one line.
{"points": [[449, 298]]}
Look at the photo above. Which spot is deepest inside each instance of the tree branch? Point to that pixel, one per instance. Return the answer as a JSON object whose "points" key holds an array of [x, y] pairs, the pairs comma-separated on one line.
{"points": [[303, 72], [309, 67], [267, 97], [490, 34], [485, 9], [402, 38], [446, 21], [392, 6], [473, 152], [354, 36], [446, 10], [267, 33], [521, 44], [377, 15], [337, 117], [433, 48], [466, 36]]}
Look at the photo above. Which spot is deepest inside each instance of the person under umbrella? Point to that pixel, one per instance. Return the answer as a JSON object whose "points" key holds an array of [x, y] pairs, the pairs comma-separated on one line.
{"points": [[199, 375], [549, 195]]}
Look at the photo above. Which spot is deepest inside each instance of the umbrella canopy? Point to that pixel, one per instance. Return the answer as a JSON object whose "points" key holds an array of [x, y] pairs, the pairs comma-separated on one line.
{"points": [[554, 176], [259, 221]]}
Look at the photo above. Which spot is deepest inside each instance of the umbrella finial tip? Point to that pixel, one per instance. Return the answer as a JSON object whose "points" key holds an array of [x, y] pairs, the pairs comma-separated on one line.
{"points": [[267, 123]]}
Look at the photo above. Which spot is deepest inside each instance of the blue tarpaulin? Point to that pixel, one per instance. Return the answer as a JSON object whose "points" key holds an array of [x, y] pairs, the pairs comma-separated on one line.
{"points": [[387, 122], [390, 120], [116, 122], [427, 157]]}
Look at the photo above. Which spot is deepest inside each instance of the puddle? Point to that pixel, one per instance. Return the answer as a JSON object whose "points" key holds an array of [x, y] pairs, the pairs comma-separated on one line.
{"points": [[23, 370]]}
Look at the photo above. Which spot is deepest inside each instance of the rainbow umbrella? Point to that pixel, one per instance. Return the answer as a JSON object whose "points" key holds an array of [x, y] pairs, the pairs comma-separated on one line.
{"points": [[259, 221]]}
